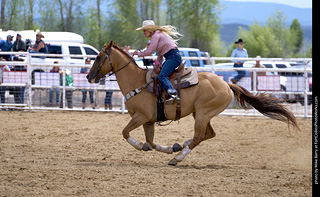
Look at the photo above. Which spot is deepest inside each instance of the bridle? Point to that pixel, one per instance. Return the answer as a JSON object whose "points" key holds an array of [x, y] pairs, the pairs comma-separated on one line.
{"points": [[108, 56]]}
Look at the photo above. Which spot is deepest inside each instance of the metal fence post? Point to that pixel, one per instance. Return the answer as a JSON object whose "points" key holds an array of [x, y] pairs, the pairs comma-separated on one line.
{"points": [[29, 87]]}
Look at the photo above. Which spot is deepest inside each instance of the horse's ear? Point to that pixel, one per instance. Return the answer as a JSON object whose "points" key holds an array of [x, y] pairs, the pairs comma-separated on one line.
{"points": [[108, 46]]}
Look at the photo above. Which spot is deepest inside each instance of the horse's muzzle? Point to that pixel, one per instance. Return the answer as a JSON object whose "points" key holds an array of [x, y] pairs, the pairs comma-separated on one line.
{"points": [[92, 78]]}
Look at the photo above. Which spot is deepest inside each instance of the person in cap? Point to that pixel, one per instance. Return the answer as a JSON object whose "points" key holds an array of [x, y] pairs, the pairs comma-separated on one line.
{"points": [[18, 44], [84, 91], [148, 62], [54, 69], [163, 42], [239, 52], [6, 45], [39, 46]]}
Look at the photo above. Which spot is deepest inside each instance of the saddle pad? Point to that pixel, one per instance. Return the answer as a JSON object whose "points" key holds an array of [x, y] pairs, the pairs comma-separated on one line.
{"points": [[190, 79]]}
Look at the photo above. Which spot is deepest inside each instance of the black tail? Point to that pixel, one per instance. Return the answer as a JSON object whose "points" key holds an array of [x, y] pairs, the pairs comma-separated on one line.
{"points": [[268, 106]]}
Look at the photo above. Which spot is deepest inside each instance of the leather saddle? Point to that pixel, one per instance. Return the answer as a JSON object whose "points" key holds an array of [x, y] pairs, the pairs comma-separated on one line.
{"points": [[182, 77]]}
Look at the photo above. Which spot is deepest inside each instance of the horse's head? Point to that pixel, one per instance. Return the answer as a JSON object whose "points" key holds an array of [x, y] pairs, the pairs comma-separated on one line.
{"points": [[101, 65]]}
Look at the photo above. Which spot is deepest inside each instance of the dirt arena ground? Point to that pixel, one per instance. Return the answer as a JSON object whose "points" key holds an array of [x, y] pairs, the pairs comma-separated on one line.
{"points": [[52, 153]]}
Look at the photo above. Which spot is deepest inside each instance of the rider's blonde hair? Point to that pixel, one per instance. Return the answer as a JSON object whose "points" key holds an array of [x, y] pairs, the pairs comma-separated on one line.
{"points": [[168, 30]]}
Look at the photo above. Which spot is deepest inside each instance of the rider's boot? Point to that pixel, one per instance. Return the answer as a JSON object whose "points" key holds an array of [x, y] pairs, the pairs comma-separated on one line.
{"points": [[173, 96]]}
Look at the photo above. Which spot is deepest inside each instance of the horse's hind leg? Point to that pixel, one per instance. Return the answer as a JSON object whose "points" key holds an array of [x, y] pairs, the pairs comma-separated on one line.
{"points": [[203, 131], [208, 135]]}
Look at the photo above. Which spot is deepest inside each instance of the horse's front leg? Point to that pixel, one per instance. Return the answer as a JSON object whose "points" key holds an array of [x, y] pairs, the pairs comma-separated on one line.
{"points": [[136, 121], [149, 145], [149, 133]]}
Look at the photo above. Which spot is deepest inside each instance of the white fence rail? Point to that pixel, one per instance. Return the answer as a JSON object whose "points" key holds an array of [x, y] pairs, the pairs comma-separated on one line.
{"points": [[34, 87]]}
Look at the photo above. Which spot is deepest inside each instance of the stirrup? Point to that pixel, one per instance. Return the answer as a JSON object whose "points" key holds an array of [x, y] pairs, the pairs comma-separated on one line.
{"points": [[172, 99]]}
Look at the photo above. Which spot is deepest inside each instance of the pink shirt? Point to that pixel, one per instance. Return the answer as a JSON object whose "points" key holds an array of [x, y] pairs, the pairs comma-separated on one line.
{"points": [[161, 43]]}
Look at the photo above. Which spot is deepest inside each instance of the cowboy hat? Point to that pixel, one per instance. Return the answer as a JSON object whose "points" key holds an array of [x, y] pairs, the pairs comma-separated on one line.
{"points": [[148, 24], [40, 34], [239, 41]]}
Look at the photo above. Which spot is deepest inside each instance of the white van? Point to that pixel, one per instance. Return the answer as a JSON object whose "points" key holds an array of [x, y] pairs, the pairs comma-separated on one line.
{"points": [[62, 48]]}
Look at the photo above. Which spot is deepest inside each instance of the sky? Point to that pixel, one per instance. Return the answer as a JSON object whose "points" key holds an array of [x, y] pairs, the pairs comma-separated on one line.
{"points": [[295, 3]]}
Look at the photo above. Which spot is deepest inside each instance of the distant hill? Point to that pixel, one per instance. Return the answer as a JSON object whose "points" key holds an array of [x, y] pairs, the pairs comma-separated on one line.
{"points": [[248, 12], [243, 14], [228, 32]]}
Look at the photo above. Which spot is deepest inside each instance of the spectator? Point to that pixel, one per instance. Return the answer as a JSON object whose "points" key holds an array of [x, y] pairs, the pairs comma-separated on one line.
{"points": [[3, 89], [148, 62], [39, 46], [263, 73], [127, 49], [69, 83], [18, 91], [108, 100], [84, 92], [19, 45], [239, 52], [6, 45], [55, 69]]}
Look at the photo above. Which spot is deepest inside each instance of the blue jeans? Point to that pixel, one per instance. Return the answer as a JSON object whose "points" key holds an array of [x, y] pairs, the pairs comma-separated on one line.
{"points": [[2, 93], [241, 73], [84, 96], [51, 95], [108, 99], [173, 60], [32, 51]]}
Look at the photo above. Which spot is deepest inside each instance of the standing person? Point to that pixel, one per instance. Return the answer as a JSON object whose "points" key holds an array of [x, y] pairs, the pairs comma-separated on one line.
{"points": [[19, 45], [239, 52], [55, 69], [84, 92], [6, 45], [69, 83], [263, 73], [3, 89], [108, 100], [166, 46]]}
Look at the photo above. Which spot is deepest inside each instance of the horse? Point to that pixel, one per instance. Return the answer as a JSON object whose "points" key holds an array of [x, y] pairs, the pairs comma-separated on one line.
{"points": [[208, 98]]}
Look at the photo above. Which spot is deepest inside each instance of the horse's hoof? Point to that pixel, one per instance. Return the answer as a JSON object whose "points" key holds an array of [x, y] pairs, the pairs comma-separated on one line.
{"points": [[146, 146], [176, 147], [172, 162]]}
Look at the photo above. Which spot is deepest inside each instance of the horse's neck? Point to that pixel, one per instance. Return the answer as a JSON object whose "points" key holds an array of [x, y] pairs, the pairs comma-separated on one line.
{"points": [[130, 77]]}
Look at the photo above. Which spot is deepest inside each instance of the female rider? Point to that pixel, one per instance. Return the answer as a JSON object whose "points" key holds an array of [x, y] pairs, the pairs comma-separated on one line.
{"points": [[166, 46]]}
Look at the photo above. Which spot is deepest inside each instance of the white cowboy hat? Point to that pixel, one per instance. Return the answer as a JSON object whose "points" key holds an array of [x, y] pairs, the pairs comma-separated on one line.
{"points": [[148, 24]]}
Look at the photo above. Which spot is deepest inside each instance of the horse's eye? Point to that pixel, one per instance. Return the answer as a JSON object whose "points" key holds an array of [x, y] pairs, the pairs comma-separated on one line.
{"points": [[97, 58]]}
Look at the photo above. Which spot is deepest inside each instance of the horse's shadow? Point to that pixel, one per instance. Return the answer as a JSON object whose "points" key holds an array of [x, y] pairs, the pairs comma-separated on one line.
{"points": [[145, 165]]}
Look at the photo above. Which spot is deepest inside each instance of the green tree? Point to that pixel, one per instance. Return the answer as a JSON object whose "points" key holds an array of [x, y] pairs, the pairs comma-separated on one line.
{"points": [[296, 30], [48, 12], [260, 41], [277, 22], [197, 21], [274, 39], [122, 23]]}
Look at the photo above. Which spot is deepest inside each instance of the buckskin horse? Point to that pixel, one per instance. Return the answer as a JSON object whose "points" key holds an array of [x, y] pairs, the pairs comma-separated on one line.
{"points": [[205, 100]]}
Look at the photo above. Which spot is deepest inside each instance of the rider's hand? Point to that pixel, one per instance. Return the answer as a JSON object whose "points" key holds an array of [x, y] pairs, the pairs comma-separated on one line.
{"points": [[135, 52]]}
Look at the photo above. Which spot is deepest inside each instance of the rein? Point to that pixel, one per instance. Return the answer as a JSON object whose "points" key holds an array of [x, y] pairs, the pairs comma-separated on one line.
{"points": [[108, 56]]}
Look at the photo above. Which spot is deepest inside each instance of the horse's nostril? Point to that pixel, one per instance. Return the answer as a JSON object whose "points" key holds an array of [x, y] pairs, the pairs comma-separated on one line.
{"points": [[87, 76]]}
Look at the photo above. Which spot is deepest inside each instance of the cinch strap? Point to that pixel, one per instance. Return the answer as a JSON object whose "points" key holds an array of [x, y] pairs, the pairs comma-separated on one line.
{"points": [[135, 92]]}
